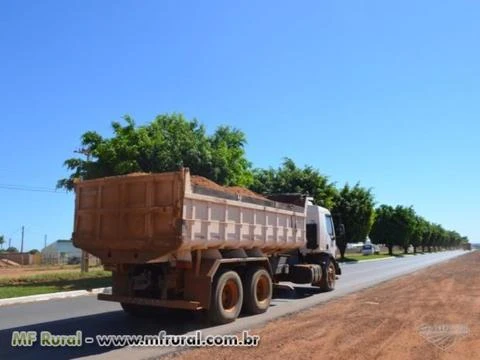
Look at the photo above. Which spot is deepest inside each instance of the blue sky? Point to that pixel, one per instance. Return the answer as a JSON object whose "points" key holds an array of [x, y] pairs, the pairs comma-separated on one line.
{"points": [[385, 93]]}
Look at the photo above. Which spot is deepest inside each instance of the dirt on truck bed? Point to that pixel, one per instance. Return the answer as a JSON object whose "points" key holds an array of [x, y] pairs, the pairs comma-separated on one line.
{"points": [[431, 314], [236, 190], [203, 181]]}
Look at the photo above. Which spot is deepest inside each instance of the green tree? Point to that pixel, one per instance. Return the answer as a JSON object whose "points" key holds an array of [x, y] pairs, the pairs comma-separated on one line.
{"points": [[436, 237], [354, 207], [289, 178], [33, 251], [167, 143], [229, 163], [452, 239], [404, 226], [383, 228], [457, 240], [12, 249], [419, 233], [426, 235], [2, 241], [464, 241]]}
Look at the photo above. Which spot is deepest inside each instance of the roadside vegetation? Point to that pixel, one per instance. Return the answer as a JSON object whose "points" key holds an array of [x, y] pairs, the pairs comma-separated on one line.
{"points": [[355, 257], [25, 285], [360, 257], [28, 270]]}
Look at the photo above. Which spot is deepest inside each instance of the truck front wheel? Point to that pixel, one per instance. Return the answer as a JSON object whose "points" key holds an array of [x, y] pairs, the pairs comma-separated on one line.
{"points": [[327, 283], [227, 298], [258, 291]]}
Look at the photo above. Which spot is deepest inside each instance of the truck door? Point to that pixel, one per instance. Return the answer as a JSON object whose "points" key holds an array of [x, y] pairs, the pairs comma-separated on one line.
{"points": [[331, 244]]}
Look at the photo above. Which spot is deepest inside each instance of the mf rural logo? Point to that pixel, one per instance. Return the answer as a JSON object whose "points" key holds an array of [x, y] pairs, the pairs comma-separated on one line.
{"points": [[443, 336]]}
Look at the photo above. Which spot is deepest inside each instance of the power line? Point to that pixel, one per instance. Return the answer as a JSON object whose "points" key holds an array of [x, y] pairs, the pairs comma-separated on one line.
{"points": [[31, 189], [13, 233]]}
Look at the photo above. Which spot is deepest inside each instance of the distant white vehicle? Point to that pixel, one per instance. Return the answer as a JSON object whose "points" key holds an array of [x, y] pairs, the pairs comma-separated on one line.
{"points": [[355, 245], [370, 249]]}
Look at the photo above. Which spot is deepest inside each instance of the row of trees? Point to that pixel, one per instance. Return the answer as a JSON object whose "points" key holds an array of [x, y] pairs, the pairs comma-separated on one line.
{"points": [[171, 141], [401, 226]]}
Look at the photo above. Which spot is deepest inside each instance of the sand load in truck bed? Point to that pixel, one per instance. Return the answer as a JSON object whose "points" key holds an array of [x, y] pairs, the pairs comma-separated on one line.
{"points": [[143, 217]]}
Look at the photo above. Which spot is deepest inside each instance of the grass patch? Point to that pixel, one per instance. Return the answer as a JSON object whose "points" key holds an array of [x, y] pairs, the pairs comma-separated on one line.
{"points": [[54, 282], [31, 270], [360, 257]]}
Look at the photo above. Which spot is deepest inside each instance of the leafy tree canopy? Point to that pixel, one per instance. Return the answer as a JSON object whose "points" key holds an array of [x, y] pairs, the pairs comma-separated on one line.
{"points": [[289, 178], [168, 143], [382, 231], [354, 207], [404, 222]]}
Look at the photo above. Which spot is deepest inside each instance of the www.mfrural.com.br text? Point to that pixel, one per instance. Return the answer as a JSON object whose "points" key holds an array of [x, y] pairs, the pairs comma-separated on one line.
{"points": [[162, 339]]}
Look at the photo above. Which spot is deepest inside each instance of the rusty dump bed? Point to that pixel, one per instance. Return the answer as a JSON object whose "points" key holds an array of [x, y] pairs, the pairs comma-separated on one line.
{"points": [[133, 215], [141, 218]]}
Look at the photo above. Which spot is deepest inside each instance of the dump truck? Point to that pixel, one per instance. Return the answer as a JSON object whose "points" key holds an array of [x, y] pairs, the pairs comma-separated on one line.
{"points": [[171, 242]]}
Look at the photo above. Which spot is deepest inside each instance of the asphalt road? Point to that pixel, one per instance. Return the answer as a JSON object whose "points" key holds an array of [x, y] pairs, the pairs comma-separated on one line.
{"points": [[93, 317]]}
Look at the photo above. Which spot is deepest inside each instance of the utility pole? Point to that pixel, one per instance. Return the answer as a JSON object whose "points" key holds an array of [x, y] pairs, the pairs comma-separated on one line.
{"points": [[23, 232], [84, 260], [9, 242], [45, 241]]}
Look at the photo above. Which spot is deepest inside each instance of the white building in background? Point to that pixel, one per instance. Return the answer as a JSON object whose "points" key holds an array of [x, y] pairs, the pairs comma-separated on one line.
{"points": [[60, 251]]}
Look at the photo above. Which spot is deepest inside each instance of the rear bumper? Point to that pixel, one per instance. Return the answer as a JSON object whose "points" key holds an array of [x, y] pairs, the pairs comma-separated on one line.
{"points": [[173, 304]]}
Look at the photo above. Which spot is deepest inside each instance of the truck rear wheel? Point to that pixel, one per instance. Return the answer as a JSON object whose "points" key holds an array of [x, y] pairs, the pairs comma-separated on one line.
{"points": [[327, 283], [258, 291], [227, 298]]}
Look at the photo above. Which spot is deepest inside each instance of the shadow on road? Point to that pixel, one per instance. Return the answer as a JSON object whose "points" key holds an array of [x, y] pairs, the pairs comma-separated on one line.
{"points": [[116, 323], [299, 292]]}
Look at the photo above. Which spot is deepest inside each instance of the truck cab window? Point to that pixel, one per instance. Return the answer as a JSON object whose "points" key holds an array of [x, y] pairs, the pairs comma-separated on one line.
{"points": [[329, 223]]}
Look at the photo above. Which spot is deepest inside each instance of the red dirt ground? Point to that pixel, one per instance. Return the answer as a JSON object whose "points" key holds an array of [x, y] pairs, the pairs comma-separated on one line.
{"points": [[431, 314]]}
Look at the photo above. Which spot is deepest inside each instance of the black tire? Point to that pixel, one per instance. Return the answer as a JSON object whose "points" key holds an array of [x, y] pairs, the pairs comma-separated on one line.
{"points": [[227, 297], [258, 289], [328, 276]]}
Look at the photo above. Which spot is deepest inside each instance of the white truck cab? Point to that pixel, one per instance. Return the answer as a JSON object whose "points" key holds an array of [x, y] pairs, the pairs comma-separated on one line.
{"points": [[320, 231]]}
